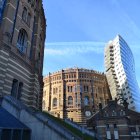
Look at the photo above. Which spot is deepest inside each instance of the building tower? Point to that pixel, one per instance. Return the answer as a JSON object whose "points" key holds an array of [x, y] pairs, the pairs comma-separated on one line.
{"points": [[22, 36], [120, 72], [75, 93]]}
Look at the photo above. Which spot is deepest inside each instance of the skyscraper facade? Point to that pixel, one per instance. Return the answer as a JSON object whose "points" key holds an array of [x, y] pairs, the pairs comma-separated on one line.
{"points": [[22, 36], [120, 72], [75, 93]]}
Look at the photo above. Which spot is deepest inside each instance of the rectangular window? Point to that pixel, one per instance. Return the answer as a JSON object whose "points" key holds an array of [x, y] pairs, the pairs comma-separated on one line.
{"points": [[6, 134], [85, 88], [19, 90], [26, 135], [14, 88], [16, 135]]}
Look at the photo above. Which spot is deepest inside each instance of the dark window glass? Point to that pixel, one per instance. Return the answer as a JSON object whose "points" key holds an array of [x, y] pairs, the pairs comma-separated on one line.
{"points": [[70, 100], [54, 102], [85, 88], [24, 14], [14, 88], [86, 100], [6, 134], [20, 90], [107, 126], [115, 125], [29, 19], [26, 135], [22, 40], [16, 135]]}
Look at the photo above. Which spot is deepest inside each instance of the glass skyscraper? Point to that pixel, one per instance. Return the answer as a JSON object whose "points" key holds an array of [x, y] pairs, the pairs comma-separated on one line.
{"points": [[120, 72]]}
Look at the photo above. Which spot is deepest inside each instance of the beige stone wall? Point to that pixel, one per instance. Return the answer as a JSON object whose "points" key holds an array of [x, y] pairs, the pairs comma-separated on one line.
{"points": [[78, 84]]}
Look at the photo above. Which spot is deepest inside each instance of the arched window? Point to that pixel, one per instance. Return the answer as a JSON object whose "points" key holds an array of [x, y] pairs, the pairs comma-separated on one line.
{"points": [[24, 14], [70, 100], [22, 40], [86, 100], [54, 102]]}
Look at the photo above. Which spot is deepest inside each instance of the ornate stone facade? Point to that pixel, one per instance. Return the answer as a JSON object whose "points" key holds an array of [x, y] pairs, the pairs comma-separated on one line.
{"points": [[22, 36], [75, 93]]}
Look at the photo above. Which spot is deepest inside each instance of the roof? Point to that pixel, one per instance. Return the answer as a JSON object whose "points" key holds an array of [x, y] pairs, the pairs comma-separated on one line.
{"points": [[9, 121], [112, 105]]}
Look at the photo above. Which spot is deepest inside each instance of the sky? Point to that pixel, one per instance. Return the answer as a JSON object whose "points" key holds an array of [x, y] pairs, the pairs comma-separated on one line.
{"points": [[78, 30]]}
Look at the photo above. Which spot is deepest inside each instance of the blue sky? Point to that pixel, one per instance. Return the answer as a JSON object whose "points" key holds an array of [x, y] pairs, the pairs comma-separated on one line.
{"points": [[77, 31]]}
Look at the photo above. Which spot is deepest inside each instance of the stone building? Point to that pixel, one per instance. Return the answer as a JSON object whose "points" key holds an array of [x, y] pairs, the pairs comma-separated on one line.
{"points": [[22, 36], [75, 93], [115, 122]]}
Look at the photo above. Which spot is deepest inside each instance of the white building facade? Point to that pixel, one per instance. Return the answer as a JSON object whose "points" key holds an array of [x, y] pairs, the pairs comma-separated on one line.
{"points": [[120, 72]]}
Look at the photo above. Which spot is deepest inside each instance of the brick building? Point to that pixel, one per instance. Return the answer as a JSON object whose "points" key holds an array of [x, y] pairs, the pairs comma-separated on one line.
{"points": [[22, 36], [75, 93], [115, 122]]}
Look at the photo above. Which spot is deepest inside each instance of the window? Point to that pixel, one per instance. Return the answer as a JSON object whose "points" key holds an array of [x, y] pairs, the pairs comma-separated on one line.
{"points": [[19, 90], [16, 135], [55, 102], [76, 98], [70, 100], [54, 91], [122, 113], [107, 126], [85, 88], [24, 14], [26, 135], [6, 134], [115, 126], [105, 114], [59, 89], [28, 19], [114, 113], [69, 88], [14, 88], [22, 41], [86, 100]]}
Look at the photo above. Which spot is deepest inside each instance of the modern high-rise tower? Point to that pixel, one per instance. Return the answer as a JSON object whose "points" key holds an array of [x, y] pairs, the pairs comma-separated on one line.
{"points": [[120, 72]]}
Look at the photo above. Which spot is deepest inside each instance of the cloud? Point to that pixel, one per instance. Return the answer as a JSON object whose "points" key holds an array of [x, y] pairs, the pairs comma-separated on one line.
{"points": [[72, 48]]}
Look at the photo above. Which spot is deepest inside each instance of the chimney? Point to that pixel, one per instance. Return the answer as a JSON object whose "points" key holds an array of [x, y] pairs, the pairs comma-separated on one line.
{"points": [[125, 104]]}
